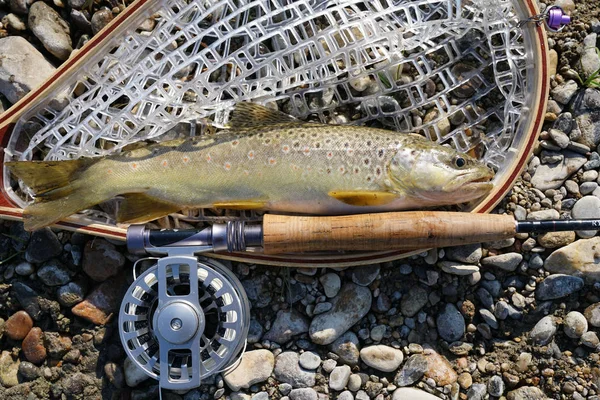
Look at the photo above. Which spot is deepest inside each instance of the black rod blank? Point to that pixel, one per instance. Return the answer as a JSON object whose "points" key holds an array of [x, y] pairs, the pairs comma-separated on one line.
{"points": [[558, 225]]}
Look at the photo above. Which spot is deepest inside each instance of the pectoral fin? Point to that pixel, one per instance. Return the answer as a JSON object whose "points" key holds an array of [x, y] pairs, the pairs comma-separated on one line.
{"points": [[363, 197], [139, 207], [241, 205]]}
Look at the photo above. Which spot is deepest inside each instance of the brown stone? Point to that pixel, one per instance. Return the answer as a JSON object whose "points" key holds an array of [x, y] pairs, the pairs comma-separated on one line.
{"points": [[99, 306], [439, 368], [33, 346], [553, 240], [18, 325], [101, 260]]}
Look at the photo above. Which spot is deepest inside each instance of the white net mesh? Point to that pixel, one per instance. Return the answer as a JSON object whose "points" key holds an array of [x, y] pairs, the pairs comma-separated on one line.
{"points": [[455, 72]]}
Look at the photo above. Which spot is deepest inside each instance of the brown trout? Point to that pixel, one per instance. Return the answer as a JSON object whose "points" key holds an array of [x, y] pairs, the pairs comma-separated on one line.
{"points": [[267, 160]]}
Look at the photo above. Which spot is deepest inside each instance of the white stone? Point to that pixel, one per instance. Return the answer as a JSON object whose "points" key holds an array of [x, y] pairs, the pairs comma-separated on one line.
{"points": [[256, 366], [382, 358], [412, 394], [133, 374], [339, 377]]}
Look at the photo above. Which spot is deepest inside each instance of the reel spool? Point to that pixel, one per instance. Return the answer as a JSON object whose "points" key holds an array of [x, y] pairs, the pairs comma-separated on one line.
{"points": [[183, 320]]}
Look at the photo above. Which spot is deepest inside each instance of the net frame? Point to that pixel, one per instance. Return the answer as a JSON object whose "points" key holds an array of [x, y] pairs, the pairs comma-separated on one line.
{"points": [[505, 151]]}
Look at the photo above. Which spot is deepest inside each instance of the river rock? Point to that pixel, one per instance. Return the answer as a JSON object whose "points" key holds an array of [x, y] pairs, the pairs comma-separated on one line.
{"points": [[507, 261], [133, 374], [347, 348], [70, 294], [100, 305], [586, 207], [338, 378], [303, 394], [439, 368], [331, 284], [43, 246], [256, 366], [54, 273], [581, 257], [258, 290], [575, 324], [287, 369], [412, 302], [450, 323], [553, 240], [57, 345], [365, 275], [382, 358], [309, 360], [543, 332], [33, 346], [18, 325], [557, 286], [23, 69], [412, 394], [552, 176], [526, 393], [470, 254], [349, 306], [413, 369], [286, 325], [28, 298], [9, 370], [50, 29], [100, 19], [564, 92], [592, 314], [101, 260]]}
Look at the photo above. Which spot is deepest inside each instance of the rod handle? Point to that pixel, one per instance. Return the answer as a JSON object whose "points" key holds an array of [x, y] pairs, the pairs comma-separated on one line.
{"points": [[382, 231]]}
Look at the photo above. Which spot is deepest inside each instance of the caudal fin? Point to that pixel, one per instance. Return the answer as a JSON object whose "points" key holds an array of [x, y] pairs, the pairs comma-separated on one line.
{"points": [[57, 189]]}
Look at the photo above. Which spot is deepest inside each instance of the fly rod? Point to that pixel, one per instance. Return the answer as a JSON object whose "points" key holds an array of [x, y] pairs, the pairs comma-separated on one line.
{"points": [[411, 230]]}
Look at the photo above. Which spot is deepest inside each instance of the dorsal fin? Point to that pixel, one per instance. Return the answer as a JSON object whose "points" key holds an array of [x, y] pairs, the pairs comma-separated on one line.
{"points": [[250, 115]]}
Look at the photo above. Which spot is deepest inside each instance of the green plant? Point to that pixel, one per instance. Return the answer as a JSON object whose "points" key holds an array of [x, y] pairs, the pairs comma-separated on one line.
{"points": [[593, 81]]}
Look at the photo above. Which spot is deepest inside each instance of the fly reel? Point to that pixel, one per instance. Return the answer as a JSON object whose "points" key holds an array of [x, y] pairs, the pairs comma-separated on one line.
{"points": [[184, 319]]}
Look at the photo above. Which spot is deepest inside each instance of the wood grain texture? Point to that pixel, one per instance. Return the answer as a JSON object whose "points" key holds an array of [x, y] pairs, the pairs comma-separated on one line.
{"points": [[383, 231]]}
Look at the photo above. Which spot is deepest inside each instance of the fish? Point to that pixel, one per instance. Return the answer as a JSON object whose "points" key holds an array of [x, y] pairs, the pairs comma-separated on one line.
{"points": [[265, 160]]}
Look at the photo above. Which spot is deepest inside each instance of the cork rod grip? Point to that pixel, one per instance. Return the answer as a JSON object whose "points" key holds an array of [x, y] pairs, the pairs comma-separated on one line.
{"points": [[383, 231]]}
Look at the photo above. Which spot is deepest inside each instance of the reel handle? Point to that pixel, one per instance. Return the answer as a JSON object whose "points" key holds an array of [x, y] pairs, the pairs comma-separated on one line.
{"points": [[384, 231]]}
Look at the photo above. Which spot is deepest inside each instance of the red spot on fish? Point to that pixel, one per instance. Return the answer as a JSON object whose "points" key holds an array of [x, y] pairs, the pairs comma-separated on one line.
{"points": [[110, 171], [272, 161], [165, 163], [342, 170], [246, 172], [251, 154], [208, 158], [286, 149], [235, 143], [306, 151], [227, 166], [330, 154], [134, 165], [186, 159]]}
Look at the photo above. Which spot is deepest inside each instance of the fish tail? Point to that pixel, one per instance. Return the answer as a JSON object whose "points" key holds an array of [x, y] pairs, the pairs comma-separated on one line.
{"points": [[57, 188]]}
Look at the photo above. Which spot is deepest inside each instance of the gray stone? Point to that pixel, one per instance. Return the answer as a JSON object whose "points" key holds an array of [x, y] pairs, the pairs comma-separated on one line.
{"points": [[365, 275], [100, 19], [592, 314], [54, 273], [382, 358], [50, 29], [564, 92], [456, 268], [23, 68], [9, 370], [331, 284], [560, 138], [575, 324], [588, 132], [70, 294], [286, 325], [488, 318], [412, 302], [590, 339], [20, 6], [495, 386], [543, 332], [133, 374], [259, 396], [470, 254], [354, 382], [309, 360], [581, 257], [258, 290], [477, 392], [345, 395], [29, 371], [256, 366], [413, 370], [14, 22], [543, 215], [24, 269], [507, 261], [288, 370], [255, 331], [28, 298], [450, 323], [80, 20], [412, 394], [557, 286], [338, 378], [303, 394], [590, 62], [526, 393], [349, 306], [322, 307], [43, 246], [586, 207], [552, 176], [346, 347]]}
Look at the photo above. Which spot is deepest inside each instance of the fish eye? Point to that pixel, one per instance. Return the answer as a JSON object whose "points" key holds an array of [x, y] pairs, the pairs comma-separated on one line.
{"points": [[460, 162]]}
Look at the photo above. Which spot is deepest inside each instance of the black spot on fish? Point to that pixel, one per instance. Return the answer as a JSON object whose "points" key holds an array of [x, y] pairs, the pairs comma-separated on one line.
{"points": [[267, 141], [346, 144], [369, 143], [380, 153], [327, 141], [302, 135], [329, 170], [317, 145], [314, 135], [378, 171], [296, 144], [260, 135], [367, 161]]}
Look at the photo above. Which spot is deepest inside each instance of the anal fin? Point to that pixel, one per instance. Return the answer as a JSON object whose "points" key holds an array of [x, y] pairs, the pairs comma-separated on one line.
{"points": [[241, 204], [139, 207], [363, 197]]}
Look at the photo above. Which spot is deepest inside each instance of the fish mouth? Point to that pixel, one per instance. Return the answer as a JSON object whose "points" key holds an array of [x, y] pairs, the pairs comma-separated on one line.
{"points": [[480, 182]]}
